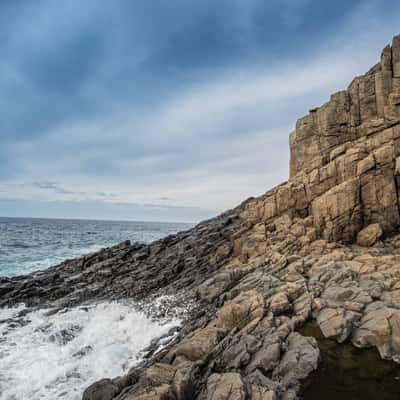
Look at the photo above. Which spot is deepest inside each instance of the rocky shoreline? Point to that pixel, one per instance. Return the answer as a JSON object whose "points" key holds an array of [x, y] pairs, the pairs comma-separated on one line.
{"points": [[323, 246]]}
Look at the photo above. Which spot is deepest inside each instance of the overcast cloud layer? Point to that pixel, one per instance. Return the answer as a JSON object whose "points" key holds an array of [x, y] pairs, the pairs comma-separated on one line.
{"points": [[166, 110]]}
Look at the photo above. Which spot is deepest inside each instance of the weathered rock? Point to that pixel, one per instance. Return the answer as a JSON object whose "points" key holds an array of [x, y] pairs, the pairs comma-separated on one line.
{"points": [[300, 358], [227, 386], [159, 374], [104, 389], [279, 303], [380, 328], [200, 344], [245, 308], [239, 352], [162, 392], [267, 357], [261, 393], [369, 235], [336, 323]]}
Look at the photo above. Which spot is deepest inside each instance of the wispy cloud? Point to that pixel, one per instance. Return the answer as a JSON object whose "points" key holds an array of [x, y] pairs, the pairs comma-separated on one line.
{"points": [[52, 186]]}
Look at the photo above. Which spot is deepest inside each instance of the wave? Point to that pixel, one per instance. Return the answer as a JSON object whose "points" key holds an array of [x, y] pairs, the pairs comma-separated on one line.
{"points": [[57, 355]]}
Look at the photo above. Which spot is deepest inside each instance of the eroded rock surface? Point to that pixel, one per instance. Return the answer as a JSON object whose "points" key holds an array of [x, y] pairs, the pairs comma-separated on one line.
{"points": [[322, 246]]}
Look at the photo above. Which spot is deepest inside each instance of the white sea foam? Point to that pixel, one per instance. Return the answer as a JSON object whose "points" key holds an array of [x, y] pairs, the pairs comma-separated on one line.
{"points": [[57, 356]]}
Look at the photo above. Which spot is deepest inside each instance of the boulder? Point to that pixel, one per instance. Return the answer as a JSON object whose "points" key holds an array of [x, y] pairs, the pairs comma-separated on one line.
{"points": [[105, 389], [226, 386], [300, 358], [239, 351], [279, 303], [336, 323], [369, 235], [160, 373], [240, 311], [199, 345], [380, 328], [162, 392], [267, 357]]}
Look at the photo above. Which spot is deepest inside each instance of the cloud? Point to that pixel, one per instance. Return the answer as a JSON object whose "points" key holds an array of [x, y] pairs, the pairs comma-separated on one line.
{"points": [[162, 114], [53, 186]]}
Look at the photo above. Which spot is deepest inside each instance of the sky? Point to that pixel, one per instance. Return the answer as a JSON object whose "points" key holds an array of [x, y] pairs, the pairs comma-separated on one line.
{"points": [[166, 110]]}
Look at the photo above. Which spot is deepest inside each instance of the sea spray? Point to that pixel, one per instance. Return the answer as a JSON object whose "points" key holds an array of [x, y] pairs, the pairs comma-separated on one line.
{"points": [[45, 355]]}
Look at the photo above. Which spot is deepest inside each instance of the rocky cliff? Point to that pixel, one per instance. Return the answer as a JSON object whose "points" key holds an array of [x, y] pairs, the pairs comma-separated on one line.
{"points": [[322, 246], [343, 158]]}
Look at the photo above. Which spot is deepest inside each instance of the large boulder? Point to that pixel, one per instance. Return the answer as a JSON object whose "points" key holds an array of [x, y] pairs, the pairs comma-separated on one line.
{"points": [[369, 235], [299, 360], [336, 323], [380, 328]]}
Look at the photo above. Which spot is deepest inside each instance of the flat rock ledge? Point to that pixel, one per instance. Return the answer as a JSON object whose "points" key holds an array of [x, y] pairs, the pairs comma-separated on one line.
{"points": [[324, 246]]}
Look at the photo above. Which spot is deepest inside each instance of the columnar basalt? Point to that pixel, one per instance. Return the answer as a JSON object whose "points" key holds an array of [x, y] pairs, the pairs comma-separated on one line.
{"points": [[322, 246]]}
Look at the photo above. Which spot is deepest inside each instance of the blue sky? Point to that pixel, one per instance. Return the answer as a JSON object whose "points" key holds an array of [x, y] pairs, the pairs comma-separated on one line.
{"points": [[166, 110]]}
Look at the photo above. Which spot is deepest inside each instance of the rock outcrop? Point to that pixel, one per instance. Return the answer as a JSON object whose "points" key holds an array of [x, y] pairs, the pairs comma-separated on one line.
{"points": [[344, 161], [321, 246]]}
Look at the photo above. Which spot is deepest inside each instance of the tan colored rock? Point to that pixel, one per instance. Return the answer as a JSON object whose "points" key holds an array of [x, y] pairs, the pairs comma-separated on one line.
{"points": [[369, 235], [397, 166], [337, 151], [335, 323], [283, 223], [396, 56], [162, 392], [279, 303], [392, 297], [384, 154], [219, 283], [240, 311], [366, 164], [160, 373], [200, 344], [386, 59], [239, 352], [262, 393], [380, 328], [227, 386], [298, 230], [337, 213]]}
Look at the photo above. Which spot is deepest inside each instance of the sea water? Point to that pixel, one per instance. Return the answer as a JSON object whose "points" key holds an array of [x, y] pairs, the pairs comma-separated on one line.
{"points": [[29, 244], [55, 355]]}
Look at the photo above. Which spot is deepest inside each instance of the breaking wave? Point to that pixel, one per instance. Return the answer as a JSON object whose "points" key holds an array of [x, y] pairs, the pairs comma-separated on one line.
{"points": [[47, 355]]}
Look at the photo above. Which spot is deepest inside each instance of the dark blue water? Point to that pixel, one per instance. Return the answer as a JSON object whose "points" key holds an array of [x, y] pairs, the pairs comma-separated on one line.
{"points": [[29, 244]]}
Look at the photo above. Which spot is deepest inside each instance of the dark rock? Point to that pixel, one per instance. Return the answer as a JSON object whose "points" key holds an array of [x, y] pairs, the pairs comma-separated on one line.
{"points": [[101, 390]]}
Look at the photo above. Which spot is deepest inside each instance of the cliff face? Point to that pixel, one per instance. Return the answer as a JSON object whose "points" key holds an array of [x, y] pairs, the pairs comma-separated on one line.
{"points": [[260, 271], [344, 162]]}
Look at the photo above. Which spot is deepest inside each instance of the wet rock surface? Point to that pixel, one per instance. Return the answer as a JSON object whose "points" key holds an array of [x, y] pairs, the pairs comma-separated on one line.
{"points": [[323, 246]]}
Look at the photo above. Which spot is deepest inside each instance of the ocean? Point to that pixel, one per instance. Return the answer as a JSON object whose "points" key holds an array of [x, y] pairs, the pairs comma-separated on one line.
{"points": [[56, 355], [31, 244]]}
